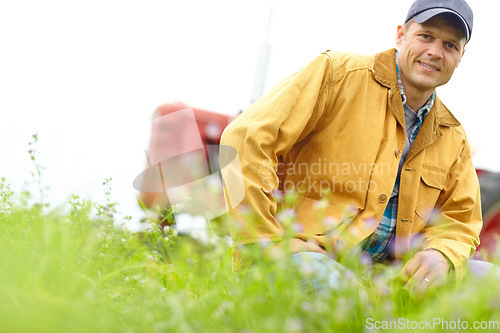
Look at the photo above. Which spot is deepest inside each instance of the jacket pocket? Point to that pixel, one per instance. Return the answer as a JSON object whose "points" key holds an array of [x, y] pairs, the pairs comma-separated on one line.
{"points": [[432, 182]]}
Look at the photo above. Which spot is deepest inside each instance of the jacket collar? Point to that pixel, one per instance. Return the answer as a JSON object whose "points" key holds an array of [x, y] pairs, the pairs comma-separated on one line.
{"points": [[384, 72]]}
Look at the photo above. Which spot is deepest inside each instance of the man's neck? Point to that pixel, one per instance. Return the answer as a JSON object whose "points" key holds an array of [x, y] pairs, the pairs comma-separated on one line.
{"points": [[416, 99], [417, 102]]}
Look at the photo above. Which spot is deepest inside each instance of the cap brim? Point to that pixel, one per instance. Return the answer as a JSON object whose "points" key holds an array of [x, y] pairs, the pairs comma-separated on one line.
{"points": [[430, 13]]}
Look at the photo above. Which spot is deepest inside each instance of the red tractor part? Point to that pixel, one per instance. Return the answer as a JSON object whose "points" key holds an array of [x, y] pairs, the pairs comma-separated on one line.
{"points": [[490, 203], [167, 140]]}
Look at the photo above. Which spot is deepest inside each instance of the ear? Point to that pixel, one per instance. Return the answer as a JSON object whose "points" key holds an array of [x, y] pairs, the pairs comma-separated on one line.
{"points": [[461, 56], [400, 35]]}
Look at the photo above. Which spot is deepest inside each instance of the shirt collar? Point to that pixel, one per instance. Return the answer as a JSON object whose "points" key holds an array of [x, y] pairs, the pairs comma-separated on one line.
{"points": [[424, 110]]}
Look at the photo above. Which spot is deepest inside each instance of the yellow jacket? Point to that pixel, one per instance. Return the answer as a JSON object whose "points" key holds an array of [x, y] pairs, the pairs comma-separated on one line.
{"points": [[334, 132]]}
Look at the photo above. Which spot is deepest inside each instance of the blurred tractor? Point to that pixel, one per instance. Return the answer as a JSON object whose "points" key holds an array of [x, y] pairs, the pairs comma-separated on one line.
{"points": [[181, 150]]}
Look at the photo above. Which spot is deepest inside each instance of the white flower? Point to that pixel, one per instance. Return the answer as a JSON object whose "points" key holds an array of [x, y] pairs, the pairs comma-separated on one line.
{"points": [[307, 268], [329, 222], [294, 325], [320, 205], [286, 215], [264, 241]]}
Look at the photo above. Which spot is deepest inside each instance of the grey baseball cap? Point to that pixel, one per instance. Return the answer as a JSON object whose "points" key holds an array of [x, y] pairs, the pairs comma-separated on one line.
{"points": [[423, 10]]}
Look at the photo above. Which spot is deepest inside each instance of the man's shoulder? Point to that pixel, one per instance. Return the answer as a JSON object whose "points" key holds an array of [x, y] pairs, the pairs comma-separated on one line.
{"points": [[445, 116], [350, 61]]}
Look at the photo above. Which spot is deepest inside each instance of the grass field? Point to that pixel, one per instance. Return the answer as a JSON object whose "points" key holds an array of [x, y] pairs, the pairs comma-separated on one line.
{"points": [[75, 269]]}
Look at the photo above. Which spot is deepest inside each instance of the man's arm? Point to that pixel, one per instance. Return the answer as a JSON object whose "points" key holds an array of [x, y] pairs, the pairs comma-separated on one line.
{"points": [[453, 235], [267, 130]]}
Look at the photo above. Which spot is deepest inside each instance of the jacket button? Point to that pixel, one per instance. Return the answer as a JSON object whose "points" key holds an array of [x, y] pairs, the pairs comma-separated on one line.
{"points": [[382, 198], [397, 152]]}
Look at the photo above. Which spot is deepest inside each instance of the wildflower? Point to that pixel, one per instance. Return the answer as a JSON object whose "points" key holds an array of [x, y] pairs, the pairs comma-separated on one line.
{"points": [[277, 254], [264, 241], [480, 269], [433, 216], [286, 215], [351, 210], [278, 195], [381, 285], [127, 279], [166, 229], [366, 259], [294, 325], [329, 222], [214, 185], [416, 242], [342, 309], [243, 210], [239, 224], [307, 306], [297, 227], [307, 268], [150, 257], [371, 222], [321, 306], [320, 205], [89, 295]]}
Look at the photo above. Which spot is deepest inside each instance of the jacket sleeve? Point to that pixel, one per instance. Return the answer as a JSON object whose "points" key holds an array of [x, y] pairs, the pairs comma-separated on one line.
{"points": [[455, 230], [266, 130]]}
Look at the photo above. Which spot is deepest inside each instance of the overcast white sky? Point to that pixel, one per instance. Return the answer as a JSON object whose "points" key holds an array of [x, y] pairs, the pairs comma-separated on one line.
{"points": [[87, 75]]}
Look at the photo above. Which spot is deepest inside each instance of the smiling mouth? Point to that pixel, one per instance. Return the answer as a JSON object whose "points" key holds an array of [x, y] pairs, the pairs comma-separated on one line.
{"points": [[428, 66]]}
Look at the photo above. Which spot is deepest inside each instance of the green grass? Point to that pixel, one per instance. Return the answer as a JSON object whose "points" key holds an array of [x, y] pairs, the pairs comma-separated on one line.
{"points": [[71, 269]]}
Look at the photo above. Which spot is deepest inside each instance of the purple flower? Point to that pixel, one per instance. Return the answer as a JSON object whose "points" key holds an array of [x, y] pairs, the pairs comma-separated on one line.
{"points": [[366, 259], [286, 215], [297, 227]]}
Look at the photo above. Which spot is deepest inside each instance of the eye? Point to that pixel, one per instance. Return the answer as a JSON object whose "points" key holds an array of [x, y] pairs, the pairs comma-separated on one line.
{"points": [[450, 45], [425, 36]]}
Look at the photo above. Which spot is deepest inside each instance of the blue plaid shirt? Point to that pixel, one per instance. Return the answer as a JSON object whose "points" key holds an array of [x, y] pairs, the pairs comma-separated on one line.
{"points": [[378, 242]]}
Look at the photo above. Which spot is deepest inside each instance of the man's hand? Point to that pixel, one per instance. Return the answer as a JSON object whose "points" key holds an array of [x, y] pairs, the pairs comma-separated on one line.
{"points": [[425, 269]]}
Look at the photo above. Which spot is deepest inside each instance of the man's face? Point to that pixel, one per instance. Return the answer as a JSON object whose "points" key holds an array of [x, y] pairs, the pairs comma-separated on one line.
{"points": [[428, 55]]}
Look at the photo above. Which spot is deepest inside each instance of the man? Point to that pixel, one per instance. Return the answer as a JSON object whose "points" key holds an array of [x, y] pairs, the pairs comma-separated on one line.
{"points": [[371, 149]]}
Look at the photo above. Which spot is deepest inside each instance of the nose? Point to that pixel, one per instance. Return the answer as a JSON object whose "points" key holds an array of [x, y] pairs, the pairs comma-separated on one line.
{"points": [[435, 49]]}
